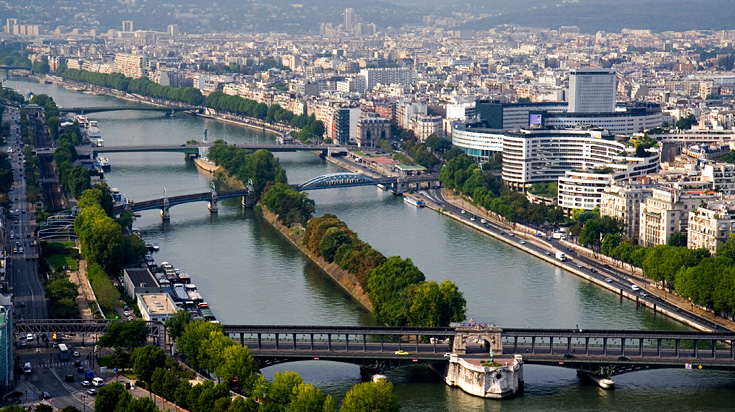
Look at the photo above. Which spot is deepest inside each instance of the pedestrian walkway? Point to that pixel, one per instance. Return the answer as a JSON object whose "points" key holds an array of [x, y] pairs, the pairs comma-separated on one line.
{"points": [[86, 294]]}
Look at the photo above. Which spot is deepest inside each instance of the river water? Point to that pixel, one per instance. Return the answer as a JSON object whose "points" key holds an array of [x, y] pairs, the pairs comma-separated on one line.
{"points": [[251, 275]]}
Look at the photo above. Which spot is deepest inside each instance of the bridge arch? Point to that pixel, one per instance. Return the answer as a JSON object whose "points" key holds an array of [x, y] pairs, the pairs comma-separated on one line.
{"points": [[337, 180]]}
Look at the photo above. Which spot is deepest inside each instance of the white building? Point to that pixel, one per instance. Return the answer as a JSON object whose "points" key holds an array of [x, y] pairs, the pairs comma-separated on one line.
{"points": [[424, 126], [622, 200], [388, 76], [710, 226], [156, 307], [592, 90], [130, 65]]}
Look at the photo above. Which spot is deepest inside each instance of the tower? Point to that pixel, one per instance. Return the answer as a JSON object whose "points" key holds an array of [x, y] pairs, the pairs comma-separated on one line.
{"points": [[592, 90]]}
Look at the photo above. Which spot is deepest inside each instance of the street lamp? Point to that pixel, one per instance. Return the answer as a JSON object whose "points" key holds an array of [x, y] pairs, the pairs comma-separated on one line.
{"points": [[84, 402]]}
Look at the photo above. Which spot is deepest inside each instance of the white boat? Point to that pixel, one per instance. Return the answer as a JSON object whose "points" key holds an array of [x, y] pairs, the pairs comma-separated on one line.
{"points": [[93, 131], [103, 162], [413, 201], [83, 121]]}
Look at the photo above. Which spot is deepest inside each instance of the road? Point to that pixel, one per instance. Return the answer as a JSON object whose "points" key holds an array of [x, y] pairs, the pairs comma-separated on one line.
{"points": [[618, 280], [28, 291]]}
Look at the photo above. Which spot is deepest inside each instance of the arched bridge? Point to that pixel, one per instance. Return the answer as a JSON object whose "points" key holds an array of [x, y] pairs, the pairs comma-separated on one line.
{"points": [[86, 110], [166, 202], [334, 180]]}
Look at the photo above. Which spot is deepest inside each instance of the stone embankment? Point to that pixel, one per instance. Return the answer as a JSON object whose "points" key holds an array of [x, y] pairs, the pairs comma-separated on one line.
{"points": [[343, 278]]}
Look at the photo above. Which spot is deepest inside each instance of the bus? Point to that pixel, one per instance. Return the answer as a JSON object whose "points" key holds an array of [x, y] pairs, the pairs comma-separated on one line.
{"points": [[63, 352]]}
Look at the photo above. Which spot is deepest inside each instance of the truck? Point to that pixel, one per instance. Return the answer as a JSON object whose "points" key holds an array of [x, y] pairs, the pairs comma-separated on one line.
{"points": [[561, 256]]}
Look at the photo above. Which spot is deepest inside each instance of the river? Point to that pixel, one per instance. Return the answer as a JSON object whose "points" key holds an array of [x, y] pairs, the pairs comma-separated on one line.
{"points": [[250, 275]]}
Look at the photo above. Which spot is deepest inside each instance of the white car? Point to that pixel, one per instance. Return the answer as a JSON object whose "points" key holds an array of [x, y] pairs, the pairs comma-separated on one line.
{"points": [[76, 354], [29, 337], [635, 287], [86, 383]]}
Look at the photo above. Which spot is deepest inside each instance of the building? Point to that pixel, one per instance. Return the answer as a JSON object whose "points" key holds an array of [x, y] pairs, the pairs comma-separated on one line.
{"points": [[7, 359], [130, 65], [667, 209], [510, 116], [476, 141], [127, 26], [622, 200], [156, 307], [722, 177], [136, 280], [592, 90], [169, 77], [424, 126], [388, 76], [625, 120], [173, 30], [710, 226], [372, 129]]}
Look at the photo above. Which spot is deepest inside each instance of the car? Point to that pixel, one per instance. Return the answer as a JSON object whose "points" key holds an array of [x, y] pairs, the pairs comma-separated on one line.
{"points": [[45, 395], [568, 356], [548, 253], [593, 270], [463, 212], [644, 294], [22, 304], [635, 287], [608, 280], [579, 266], [23, 344], [446, 355], [44, 337], [92, 391], [126, 313], [28, 258], [75, 354], [29, 337], [623, 358], [80, 369], [523, 242], [658, 299], [86, 383], [401, 352], [18, 244], [606, 266], [69, 378]]}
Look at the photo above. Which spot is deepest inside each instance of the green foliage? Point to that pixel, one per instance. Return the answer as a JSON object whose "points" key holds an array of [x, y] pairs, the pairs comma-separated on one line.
{"points": [[124, 334], [435, 305], [192, 339], [595, 228], [176, 323], [237, 365], [291, 206], [142, 86], [146, 360], [438, 144], [14, 408], [388, 285], [63, 293], [334, 238], [261, 167], [108, 297], [44, 407], [100, 238], [545, 189], [419, 153], [371, 397], [686, 123], [678, 239], [108, 397]]}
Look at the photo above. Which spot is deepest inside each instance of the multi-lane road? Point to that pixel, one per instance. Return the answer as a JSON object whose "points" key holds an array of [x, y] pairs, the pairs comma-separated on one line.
{"points": [[617, 280], [20, 247]]}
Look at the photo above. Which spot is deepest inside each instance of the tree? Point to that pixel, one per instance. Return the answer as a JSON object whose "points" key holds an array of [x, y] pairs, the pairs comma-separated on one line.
{"points": [[191, 340], [141, 405], [334, 238], [282, 388], [124, 334], [307, 398], [44, 407], [371, 396], [108, 397], [678, 239], [177, 322], [146, 360], [238, 365], [68, 408], [388, 286], [212, 349]]}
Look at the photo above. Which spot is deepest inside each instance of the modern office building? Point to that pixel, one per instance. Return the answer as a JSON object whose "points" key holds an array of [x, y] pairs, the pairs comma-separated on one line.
{"points": [[592, 90], [710, 226]]}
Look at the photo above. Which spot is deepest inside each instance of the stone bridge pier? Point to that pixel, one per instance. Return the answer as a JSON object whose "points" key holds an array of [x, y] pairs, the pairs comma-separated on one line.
{"points": [[487, 338]]}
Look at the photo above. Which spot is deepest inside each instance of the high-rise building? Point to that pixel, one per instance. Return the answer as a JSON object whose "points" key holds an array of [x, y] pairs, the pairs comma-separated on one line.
{"points": [[173, 30], [127, 26], [592, 90], [131, 65], [9, 25], [350, 19]]}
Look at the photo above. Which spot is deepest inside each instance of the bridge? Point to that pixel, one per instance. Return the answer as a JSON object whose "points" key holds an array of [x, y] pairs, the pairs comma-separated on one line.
{"points": [[87, 110], [330, 181], [326, 150], [600, 352]]}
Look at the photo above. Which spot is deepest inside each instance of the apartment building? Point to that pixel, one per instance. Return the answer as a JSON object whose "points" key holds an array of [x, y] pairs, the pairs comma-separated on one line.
{"points": [[622, 200], [130, 65], [710, 226]]}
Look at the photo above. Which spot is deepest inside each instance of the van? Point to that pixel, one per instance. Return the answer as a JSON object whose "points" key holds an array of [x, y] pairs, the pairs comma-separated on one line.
{"points": [[27, 368], [98, 382]]}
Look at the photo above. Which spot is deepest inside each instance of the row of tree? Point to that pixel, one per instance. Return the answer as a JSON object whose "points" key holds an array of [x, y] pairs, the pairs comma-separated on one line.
{"points": [[397, 289], [207, 349], [100, 236], [142, 86], [292, 207], [74, 177], [261, 167], [309, 127], [465, 177], [419, 152], [11, 95]]}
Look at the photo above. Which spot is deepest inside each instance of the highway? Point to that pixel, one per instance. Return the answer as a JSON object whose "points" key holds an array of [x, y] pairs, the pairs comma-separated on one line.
{"points": [[618, 281], [28, 291]]}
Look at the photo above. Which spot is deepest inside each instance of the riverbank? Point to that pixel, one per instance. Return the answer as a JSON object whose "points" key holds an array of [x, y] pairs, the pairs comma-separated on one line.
{"points": [[347, 281], [636, 277]]}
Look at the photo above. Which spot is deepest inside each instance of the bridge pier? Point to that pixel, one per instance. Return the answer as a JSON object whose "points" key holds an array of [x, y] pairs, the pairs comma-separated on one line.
{"points": [[277, 342], [293, 336], [382, 348], [676, 344], [347, 342], [604, 346], [586, 346], [714, 349], [569, 344], [533, 344], [640, 346], [551, 345], [165, 214], [364, 343], [259, 341], [658, 347], [329, 342], [622, 346], [213, 203], [696, 347], [311, 339]]}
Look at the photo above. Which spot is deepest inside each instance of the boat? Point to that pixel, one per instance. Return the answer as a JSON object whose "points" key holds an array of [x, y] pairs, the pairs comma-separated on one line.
{"points": [[103, 162], [116, 194], [414, 201], [93, 131], [82, 119], [156, 248]]}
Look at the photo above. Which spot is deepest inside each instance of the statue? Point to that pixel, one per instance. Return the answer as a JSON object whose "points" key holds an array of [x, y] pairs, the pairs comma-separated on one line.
{"points": [[492, 355]]}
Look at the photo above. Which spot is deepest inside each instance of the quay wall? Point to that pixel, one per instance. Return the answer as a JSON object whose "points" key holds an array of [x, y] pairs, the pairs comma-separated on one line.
{"points": [[343, 278]]}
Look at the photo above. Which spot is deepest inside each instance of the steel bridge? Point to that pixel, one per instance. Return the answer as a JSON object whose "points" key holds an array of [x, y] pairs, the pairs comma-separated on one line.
{"points": [[165, 202], [84, 110], [599, 352], [335, 180], [325, 150]]}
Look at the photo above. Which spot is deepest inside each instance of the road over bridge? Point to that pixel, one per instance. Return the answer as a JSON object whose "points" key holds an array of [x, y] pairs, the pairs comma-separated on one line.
{"points": [[87, 110]]}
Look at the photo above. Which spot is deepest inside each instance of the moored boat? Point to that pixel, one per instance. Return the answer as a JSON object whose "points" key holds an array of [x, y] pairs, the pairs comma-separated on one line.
{"points": [[413, 201]]}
